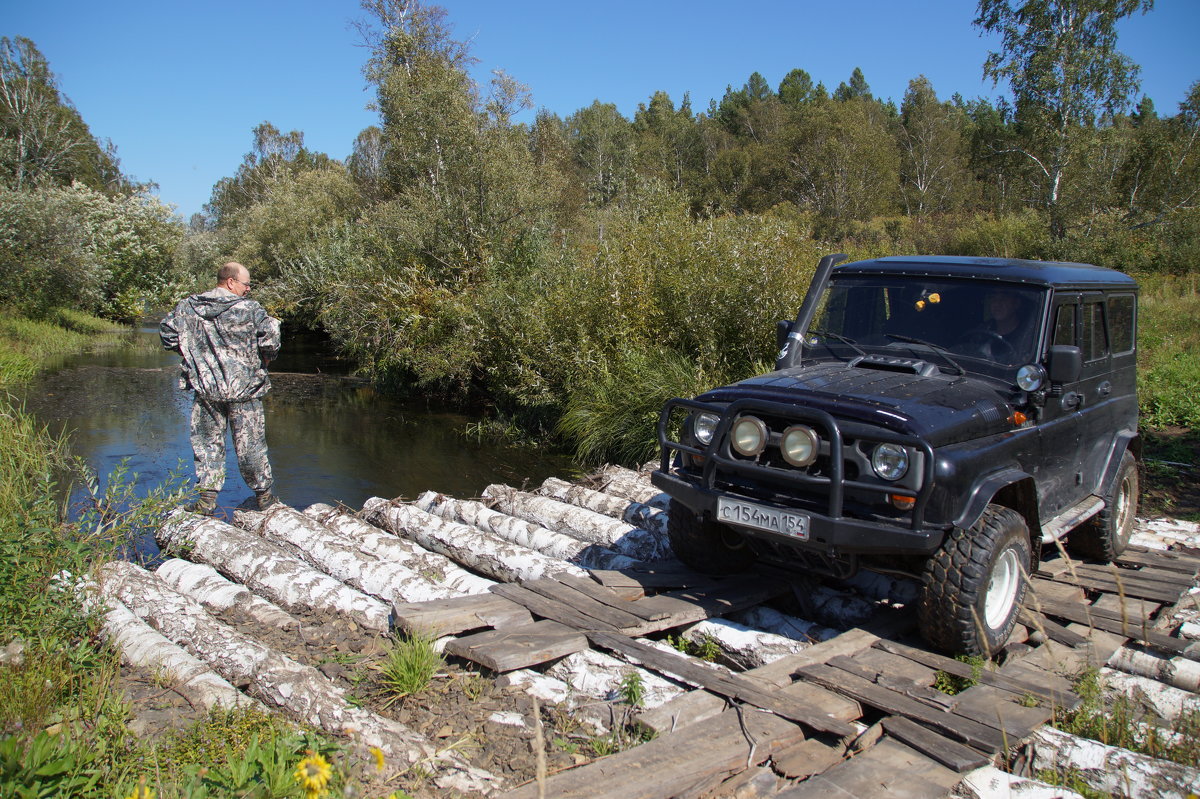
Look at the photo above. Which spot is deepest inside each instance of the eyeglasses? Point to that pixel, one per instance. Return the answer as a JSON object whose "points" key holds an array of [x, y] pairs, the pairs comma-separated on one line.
{"points": [[244, 283]]}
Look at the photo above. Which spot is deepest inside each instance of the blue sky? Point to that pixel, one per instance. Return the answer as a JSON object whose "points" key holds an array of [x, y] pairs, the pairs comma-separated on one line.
{"points": [[178, 86]]}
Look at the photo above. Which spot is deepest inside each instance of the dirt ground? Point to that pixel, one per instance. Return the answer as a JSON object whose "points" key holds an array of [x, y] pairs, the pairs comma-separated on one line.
{"points": [[1171, 474]]}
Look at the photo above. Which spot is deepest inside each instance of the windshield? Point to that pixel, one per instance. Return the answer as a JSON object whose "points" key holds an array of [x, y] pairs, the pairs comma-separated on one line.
{"points": [[974, 321]]}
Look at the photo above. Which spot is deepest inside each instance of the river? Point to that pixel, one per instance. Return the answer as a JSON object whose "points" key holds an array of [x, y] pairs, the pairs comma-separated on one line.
{"points": [[331, 438]]}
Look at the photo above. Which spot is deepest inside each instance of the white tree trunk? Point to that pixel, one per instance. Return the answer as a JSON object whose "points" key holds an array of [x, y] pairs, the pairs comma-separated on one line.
{"points": [[205, 584], [266, 569], [1108, 769], [579, 522], [1163, 700], [990, 782], [301, 690], [631, 485], [140, 645], [1177, 671], [519, 531], [637, 514], [390, 581], [485, 553], [370, 539], [740, 646], [770, 620]]}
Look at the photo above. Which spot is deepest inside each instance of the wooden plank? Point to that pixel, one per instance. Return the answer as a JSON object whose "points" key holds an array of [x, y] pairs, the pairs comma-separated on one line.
{"points": [[1097, 583], [1140, 631], [651, 578], [609, 597], [688, 606], [678, 765], [1157, 559], [549, 608], [1017, 686], [782, 671], [806, 758], [924, 694], [888, 769], [1053, 630], [728, 685], [1049, 590], [950, 754], [459, 614], [518, 647], [996, 708], [889, 701], [1125, 607], [560, 592], [1170, 580], [896, 666]]}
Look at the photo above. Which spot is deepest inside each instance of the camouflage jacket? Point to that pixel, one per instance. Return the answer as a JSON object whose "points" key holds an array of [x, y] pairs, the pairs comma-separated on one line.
{"points": [[226, 342]]}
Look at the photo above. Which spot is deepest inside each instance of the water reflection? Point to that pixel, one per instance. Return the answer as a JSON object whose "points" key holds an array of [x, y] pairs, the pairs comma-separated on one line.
{"points": [[332, 439]]}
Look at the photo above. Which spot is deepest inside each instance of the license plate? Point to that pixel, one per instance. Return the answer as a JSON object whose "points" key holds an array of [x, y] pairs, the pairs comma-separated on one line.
{"points": [[760, 517]]}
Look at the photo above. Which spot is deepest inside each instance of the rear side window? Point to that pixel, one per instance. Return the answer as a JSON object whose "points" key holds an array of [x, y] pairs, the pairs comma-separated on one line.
{"points": [[1120, 323], [1064, 325]]}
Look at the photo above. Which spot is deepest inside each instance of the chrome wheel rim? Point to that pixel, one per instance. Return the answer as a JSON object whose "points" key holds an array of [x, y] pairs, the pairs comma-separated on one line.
{"points": [[1002, 589]]}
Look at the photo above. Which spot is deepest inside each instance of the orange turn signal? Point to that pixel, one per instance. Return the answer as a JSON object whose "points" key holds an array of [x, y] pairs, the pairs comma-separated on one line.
{"points": [[902, 502], [1017, 418]]}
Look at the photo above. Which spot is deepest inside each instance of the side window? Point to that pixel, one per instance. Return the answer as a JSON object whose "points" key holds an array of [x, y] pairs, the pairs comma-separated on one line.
{"points": [[1120, 323], [1064, 325], [1094, 340]]}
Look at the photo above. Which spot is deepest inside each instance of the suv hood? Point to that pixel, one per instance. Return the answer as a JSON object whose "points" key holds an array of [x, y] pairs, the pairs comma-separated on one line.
{"points": [[941, 409]]}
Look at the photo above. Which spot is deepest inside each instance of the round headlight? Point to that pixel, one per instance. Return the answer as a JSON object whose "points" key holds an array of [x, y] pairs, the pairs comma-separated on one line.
{"points": [[749, 436], [890, 461], [703, 427], [799, 445], [1031, 377]]}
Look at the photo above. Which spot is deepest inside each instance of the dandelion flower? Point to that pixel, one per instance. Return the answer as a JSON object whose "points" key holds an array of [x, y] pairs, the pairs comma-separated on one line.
{"points": [[141, 792], [313, 773], [377, 753]]}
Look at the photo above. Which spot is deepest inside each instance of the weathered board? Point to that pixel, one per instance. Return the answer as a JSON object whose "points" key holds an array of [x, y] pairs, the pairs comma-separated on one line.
{"points": [[888, 769], [459, 614], [1095, 582], [585, 604], [518, 647], [1053, 630], [1138, 630], [950, 754], [548, 608]]}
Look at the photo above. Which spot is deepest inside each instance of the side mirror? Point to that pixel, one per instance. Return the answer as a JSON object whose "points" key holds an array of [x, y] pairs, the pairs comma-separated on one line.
{"points": [[1064, 363], [782, 328]]}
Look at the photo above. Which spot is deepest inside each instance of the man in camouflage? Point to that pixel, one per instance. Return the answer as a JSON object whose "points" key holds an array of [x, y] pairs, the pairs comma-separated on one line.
{"points": [[226, 341]]}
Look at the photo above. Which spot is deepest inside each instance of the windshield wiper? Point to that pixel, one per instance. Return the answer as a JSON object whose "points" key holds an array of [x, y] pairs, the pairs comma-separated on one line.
{"points": [[938, 348], [839, 337]]}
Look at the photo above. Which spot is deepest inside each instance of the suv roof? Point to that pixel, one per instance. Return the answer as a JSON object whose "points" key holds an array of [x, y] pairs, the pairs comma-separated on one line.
{"points": [[1041, 273]]}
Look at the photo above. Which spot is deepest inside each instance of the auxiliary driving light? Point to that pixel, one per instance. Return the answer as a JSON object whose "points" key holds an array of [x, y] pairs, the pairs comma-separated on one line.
{"points": [[749, 436], [799, 445]]}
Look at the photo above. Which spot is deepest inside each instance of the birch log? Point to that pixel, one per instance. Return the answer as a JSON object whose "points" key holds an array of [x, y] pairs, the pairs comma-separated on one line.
{"points": [[300, 690], [742, 647], [631, 485], [770, 620], [598, 675], [390, 581], [482, 552], [1175, 671], [266, 569], [519, 531], [636, 514], [370, 539], [205, 584], [141, 645], [990, 782], [1108, 769], [579, 522], [1165, 701]]}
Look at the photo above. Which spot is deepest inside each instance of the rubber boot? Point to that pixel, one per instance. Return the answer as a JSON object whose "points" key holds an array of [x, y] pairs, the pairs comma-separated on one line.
{"points": [[205, 504], [266, 500]]}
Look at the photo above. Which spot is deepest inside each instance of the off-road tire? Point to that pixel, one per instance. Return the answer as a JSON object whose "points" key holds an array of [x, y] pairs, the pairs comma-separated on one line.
{"points": [[953, 606], [706, 546], [1106, 535]]}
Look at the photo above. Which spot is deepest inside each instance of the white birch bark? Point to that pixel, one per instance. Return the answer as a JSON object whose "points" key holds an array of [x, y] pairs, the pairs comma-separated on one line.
{"points": [[631, 485], [990, 782], [579, 522], [770, 620], [636, 514], [141, 645], [1165, 701], [484, 553], [1108, 769], [205, 584], [519, 531], [368, 538], [598, 675], [1175, 671], [388, 580], [742, 647], [300, 690], [267, 570]]}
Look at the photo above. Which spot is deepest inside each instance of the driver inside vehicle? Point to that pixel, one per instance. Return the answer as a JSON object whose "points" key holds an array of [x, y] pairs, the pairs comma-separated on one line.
{"points": [[1005, 332]]}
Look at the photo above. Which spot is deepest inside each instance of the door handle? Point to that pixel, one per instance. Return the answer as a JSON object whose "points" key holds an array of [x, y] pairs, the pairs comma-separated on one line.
{"points": [[1104, 389]]}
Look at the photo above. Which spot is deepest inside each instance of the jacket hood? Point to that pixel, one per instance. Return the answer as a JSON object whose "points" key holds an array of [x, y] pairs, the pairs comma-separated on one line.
{"points": [[942, 409], [213, 303]]}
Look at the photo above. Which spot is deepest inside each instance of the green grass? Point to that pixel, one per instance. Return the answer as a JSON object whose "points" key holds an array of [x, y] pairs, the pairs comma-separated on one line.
{"points": [[409, 665], [1169, 352]]}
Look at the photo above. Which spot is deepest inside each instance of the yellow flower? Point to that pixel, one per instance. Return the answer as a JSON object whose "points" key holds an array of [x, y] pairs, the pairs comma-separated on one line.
{"points": [[313, 774], [141, 792], [377, 753]]}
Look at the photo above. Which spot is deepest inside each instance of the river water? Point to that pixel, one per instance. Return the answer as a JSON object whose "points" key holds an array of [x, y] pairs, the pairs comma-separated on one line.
{"points": [[331, 438]]}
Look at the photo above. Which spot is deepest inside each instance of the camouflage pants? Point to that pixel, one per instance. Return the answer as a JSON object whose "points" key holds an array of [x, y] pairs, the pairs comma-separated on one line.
{"points": [[209, 420]]}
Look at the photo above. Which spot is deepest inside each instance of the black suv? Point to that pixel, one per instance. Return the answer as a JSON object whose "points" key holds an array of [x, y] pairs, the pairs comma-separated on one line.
{"points": [[939, 417]]}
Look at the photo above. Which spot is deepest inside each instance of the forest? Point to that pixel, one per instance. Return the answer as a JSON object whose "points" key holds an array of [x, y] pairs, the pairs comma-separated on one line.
{"points": [[566, 276]]}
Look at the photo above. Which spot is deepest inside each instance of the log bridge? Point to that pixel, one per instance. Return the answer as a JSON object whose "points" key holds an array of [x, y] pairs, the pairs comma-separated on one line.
{"points": [[565, 591]]}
